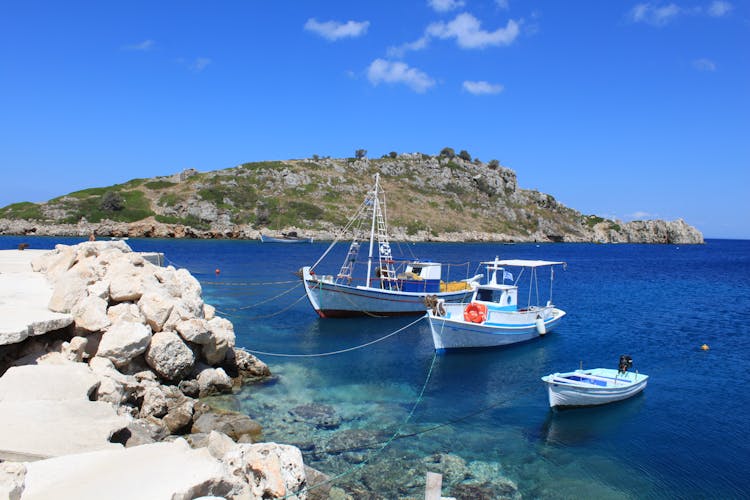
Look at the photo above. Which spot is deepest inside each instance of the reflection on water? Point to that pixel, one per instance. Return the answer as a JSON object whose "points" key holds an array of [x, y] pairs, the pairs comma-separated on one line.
{"points": [[577, 426]]}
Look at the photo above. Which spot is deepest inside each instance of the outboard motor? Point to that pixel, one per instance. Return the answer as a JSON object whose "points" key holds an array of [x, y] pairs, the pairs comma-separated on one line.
{"points": [[625, 363]]}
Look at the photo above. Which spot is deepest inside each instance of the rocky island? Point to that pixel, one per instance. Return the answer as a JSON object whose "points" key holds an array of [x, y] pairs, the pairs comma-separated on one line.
{"points": [[447, 197]]}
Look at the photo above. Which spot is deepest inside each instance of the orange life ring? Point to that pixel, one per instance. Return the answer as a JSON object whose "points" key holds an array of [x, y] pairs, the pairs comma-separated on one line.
{"points": [[475, 313]]}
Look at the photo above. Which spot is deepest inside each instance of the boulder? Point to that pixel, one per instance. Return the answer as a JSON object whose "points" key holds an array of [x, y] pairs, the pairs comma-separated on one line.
{"points": [[169, 356], [155, 307], [154, 403], [125, 311], [234, 425], [267, 470], [222, 338], [242, 364], [90, 313], [71, 287], [194, 330], [75, 349], [55, 382], [213, 381], [124, 341]]}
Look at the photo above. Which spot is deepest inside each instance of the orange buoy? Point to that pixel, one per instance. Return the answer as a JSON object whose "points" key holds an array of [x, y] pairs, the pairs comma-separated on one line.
{"points": [[217, 270], [704, 347]]}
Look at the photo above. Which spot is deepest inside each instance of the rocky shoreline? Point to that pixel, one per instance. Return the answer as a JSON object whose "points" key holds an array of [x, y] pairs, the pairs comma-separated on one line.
{"points": [[645, 232], [116, 376]]}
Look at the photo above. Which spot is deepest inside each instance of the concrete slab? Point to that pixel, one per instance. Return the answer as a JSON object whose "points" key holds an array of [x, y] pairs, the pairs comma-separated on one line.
{"points": [[155, 471], [24, 296], [48, 382], [49, 428]]}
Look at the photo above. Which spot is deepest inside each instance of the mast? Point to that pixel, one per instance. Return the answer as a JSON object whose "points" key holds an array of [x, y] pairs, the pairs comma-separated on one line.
{"points": [[375, 207]]}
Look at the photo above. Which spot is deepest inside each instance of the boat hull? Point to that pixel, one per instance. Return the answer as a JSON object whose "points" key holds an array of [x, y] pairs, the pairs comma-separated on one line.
{"points": [[563, 393], [452, 332], [331, 300], [271, 239]]}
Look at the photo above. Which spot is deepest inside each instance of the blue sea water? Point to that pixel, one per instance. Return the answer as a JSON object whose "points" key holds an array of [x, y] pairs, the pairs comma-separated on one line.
{"points": [[686, 436]]}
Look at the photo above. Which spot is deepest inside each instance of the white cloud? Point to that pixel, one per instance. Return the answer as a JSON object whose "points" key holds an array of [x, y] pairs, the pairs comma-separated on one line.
{"points": [[400, 50], [655, 15], [719, 8], [704, 64], [640, 215], [467, 31], [482, 87], [445, 5], [382, 71], [199, 64], [333, 30], [143, 46], [503, 4]]}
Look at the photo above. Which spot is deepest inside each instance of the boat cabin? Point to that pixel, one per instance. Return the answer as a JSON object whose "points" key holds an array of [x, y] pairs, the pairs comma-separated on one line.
{"points": [[421, 277]]}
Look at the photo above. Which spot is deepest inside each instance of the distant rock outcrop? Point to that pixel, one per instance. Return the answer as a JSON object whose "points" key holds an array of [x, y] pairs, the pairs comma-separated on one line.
{"points": [[431, 198]]}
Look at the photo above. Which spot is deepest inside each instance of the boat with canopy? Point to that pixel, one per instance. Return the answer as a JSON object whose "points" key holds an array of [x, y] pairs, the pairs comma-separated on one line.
{"points": [[493, 316]]}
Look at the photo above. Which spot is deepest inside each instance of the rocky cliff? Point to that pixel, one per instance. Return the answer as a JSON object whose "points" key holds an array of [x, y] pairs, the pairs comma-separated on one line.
{"points": [[436, 198]]}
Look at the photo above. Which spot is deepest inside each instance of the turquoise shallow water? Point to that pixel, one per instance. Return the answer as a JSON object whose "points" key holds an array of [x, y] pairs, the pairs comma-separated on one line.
{"points": [[483, 418]]}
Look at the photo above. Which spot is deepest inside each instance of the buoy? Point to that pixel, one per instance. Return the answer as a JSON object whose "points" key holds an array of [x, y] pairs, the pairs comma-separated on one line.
{"points": [[540, 327], [217, 270], [704, 347]]}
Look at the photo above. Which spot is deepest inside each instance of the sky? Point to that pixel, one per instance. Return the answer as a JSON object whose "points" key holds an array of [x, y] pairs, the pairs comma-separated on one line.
{"points": [[624, 109]]}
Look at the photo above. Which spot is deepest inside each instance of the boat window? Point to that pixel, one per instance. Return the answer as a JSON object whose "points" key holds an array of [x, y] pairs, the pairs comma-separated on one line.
{"points": [[490, 295], [416, 270]]}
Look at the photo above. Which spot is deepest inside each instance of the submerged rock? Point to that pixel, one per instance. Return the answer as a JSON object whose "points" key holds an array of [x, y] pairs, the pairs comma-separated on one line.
{"points": [[319, 415]]}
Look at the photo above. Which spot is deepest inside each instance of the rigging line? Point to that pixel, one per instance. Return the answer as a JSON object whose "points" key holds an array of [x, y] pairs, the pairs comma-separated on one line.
{"points": [[385, 443], [264, 301], [343, 231], [247, 283], [341, 351]]}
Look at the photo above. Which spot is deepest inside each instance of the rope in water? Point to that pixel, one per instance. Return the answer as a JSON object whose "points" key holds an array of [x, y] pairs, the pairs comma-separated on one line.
{"points": [[385, 443], [264, 301], [280, 311], [341, 351]]}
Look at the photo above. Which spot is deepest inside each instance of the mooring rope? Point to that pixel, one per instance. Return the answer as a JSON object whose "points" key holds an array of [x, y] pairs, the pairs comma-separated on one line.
{"points": [[248, 283], [280, 311], [264, 301], [340, 351]]}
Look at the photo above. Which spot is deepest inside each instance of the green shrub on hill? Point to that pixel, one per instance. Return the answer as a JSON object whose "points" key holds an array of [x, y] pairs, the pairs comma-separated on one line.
{"points": [[22, 210], [156, 185]]}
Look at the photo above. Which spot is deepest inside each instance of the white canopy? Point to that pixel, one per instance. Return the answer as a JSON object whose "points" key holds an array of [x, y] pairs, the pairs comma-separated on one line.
{"points": [[521, 263]]}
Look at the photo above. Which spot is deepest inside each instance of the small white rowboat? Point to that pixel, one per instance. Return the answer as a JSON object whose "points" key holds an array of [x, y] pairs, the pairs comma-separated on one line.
{"points": [[593, 387]]}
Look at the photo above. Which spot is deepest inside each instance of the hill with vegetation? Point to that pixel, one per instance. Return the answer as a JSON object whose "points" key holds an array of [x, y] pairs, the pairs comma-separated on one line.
{"points": [[447, 197]]}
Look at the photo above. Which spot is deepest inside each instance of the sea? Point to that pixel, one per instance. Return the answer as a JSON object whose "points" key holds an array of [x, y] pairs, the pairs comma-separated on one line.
{"points": [[370, 403]]}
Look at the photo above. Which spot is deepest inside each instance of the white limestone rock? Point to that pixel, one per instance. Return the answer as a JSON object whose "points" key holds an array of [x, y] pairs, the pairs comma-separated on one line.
{"points": [[169, 356], [156, 308], [194, 330], [55, 382], [222, 339], [267, 470], [90, 313], [71, 287], [125, 311], [124, 341], [75, 350], [154, 403], [213, 381]]}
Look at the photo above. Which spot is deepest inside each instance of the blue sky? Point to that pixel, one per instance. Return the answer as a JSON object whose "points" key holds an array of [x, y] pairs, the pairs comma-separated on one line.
{"points": [[617, 108]]}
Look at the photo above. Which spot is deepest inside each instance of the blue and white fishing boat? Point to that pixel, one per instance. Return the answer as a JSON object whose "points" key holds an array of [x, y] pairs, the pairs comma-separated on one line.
{"points": [[493, 317], [594, 387], [382, 285]]}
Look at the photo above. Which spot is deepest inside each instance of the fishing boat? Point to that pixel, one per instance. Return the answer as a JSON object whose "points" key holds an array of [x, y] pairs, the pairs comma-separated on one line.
{"points": [[493, 317], [290, 237], [594, 387], [382, 285]]}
